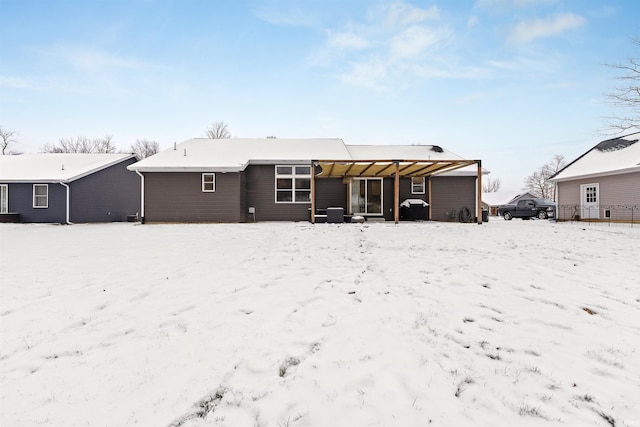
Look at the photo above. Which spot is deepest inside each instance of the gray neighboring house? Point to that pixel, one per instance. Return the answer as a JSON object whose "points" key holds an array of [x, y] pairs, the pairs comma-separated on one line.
{"points": [[269, 179], [602, 184], [67, 188]]}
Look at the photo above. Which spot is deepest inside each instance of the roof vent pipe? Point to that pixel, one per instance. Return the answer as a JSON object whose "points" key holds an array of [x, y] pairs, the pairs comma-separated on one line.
{"points": [[63, 166], [185, 152], [175, 147]]}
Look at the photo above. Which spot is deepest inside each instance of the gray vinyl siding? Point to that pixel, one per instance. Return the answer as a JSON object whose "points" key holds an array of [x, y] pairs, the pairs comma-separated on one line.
{"points": [[21, 202], [108, 195], [620, 194], [331, 192], [260, 194], [178, 197], [450, 194]]}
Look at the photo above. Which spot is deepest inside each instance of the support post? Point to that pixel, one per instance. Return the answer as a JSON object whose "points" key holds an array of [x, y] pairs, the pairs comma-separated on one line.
{"points": [[429, 198], [396, 194], [479, 191], [313, 192]]}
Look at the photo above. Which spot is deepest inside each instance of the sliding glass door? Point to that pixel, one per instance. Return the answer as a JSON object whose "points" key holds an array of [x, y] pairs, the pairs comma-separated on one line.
{"points": [[366, 196]]}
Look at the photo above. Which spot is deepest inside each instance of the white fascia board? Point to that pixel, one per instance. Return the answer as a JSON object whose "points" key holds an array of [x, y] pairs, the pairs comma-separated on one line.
{"points": [[597, 174], [279, 162], [33, 181], [188, 169], [101, 167]]}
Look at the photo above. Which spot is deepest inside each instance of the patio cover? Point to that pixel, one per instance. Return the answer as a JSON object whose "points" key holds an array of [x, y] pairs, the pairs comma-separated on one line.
{"points": [[389, 168]]}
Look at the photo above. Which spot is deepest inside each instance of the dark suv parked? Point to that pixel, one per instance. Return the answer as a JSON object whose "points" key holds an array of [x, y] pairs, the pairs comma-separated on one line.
{"points": [[529, 208]]}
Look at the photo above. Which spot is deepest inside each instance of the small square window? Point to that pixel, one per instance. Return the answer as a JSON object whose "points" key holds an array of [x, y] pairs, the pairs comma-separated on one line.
{"points": [[208, 182], [40, 195], [417, 185]]}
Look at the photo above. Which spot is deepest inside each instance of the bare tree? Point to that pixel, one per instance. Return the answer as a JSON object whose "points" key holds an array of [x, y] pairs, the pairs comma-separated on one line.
{"points": [[81, 144], [6, 138], [626, 96], [104, 144], [538, 182], [490, 185], [218, 130], [145, 148]]}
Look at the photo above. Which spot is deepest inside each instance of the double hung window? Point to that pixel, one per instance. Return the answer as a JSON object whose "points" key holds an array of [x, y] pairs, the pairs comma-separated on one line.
{"points": [[4, 199], [208, 182], [40, 195], [417, 185]]}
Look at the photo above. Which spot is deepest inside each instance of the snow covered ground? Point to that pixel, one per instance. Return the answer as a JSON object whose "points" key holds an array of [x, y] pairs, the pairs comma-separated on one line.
{"points": [[291, 324]]}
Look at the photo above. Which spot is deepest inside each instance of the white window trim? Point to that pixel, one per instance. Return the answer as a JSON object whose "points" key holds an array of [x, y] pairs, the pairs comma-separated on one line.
{"points": [[293, 177], [46, 196], [4, 201], [213, 181], [424, 184]]}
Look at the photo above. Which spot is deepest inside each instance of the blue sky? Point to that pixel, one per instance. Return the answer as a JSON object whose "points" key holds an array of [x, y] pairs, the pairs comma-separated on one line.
{"points": [[511, 82]]}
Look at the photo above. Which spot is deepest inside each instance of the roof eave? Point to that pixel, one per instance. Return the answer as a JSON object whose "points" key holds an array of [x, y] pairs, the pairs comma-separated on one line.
{"points": [[223, 169], [597, 174]]}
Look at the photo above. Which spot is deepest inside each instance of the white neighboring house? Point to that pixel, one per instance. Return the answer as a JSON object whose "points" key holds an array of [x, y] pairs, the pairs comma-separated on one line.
{"points": [[492, 201], [603, 184]]}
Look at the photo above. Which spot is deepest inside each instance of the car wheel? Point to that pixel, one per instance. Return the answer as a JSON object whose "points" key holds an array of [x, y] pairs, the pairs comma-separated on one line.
{"points": [[542, 215], [507, 216]]}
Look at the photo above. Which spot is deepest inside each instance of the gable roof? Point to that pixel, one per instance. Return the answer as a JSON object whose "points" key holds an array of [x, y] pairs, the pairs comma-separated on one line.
{"points": [[234, 155], [610, 157], [55, 167]]}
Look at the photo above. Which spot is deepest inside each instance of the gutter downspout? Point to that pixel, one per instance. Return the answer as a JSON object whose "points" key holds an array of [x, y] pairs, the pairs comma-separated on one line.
{"points": [[68, 190], [141, 197]]}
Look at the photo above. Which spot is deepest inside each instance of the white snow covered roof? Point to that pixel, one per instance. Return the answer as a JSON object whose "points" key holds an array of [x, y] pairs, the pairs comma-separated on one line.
{"points": [[411, 152], [610, 157], [400, 152], [55, 167], [234, 155]]}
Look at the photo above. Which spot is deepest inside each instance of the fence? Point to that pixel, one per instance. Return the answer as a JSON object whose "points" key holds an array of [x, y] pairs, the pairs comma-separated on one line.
{"points": [[603, 214]]}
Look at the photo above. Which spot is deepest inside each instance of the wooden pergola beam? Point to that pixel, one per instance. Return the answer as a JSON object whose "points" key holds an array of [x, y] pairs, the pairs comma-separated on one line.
{"points": [[396, 194], [430, 168]]}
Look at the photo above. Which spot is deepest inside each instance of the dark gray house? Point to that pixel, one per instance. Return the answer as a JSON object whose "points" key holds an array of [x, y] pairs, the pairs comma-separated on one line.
{"points": [[67, 188], [240, 180]]}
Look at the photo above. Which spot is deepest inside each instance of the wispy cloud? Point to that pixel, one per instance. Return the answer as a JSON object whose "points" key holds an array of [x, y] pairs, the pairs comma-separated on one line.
{"points": [[526, 31], [400, 13], [472, 98], [414, 40], [92, 59], [509, 4], [74, 69], [389, 45], [53, 84], [347, 40]]}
